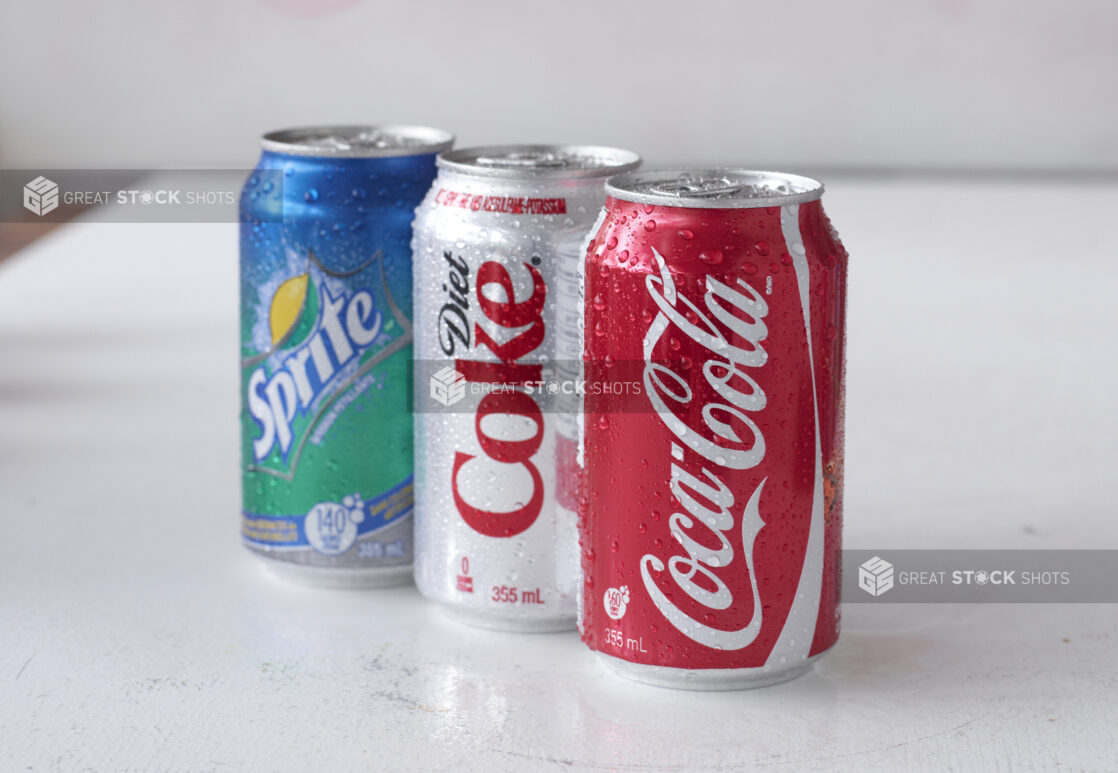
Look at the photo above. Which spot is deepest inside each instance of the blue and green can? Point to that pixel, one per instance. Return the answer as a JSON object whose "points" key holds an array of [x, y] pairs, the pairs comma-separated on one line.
{"points": [[326, 347]]}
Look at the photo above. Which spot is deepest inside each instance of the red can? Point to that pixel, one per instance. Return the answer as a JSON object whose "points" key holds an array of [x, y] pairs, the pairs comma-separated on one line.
{"points": [[711, 451]]}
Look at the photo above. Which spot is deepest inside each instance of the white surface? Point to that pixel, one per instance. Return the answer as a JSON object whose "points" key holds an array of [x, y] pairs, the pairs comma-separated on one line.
{"points": [[137, 634], [956, 83]]}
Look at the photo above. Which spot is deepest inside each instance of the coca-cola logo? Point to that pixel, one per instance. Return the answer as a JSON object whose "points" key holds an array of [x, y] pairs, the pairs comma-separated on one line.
{"points": [[727, 437], [510, 370]]}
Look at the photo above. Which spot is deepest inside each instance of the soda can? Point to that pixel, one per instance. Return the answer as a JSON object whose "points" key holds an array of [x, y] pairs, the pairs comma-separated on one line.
{"points": [[712, 443], [497, 241], [326, 337]]}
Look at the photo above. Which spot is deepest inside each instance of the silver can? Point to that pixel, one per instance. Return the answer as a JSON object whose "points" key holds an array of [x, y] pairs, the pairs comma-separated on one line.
{"points": [[498, 241]]}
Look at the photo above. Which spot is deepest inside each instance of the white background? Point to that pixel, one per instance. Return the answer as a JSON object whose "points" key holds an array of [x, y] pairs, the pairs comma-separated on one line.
{"points": [[800, 85]]}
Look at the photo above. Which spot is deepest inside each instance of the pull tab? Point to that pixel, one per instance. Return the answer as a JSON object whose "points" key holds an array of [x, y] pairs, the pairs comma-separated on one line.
{"points": [[690, 186]]}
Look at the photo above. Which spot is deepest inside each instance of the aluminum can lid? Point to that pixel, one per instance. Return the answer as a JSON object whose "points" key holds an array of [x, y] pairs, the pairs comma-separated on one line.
{"points": [[713, 188], [523, 162], [357, 141]]}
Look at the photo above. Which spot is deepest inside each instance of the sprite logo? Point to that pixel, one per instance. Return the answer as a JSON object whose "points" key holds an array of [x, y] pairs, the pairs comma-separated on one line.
{"points": [[322, 334]]}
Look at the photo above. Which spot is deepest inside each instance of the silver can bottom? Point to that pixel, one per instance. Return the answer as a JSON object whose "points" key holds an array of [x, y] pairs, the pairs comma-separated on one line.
{"points": [[484, 619], [708, 679], [330, 577]]}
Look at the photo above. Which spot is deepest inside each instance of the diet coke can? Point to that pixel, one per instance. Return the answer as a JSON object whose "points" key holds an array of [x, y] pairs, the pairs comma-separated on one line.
{"points": [[711, 507], [498, 241]]}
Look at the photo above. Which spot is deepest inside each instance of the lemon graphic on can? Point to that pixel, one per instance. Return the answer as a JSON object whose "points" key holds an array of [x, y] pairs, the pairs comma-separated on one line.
{"points": [[293, 312]]}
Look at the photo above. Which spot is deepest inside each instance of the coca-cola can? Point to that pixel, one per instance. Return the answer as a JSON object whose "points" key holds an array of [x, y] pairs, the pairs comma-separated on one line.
{"points": [[711, 455], [497, 242]]}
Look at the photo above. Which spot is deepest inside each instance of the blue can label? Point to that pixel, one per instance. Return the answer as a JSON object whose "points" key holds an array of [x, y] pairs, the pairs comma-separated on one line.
{"points": [[326, 339]]}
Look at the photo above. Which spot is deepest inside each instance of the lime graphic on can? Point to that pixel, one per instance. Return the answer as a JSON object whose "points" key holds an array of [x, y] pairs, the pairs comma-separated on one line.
{"points": [[326, 339]]}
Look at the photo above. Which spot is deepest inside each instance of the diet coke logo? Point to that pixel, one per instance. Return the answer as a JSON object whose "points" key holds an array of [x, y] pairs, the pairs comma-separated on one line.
{"points": [[514, 330], [702, 531]]}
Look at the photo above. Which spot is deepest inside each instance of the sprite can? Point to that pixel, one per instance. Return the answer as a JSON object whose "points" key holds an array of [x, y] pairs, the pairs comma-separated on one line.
{"points": [[326, 345]]}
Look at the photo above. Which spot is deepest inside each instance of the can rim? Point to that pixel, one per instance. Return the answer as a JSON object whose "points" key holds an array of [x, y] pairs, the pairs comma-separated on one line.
{"points": [[293, 142], [471, 161], [654, 187]]}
